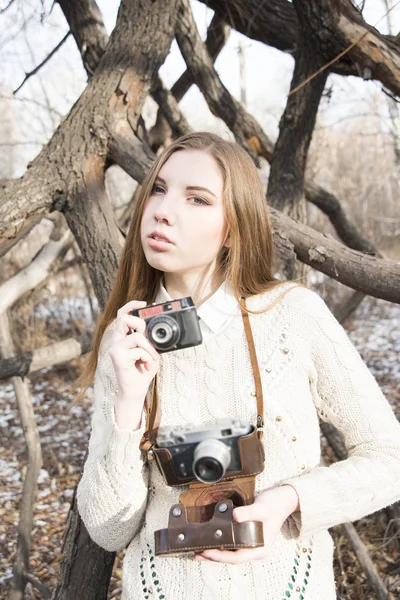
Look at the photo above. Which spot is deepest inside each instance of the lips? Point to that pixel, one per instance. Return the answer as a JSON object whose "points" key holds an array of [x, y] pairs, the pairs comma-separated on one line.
{"points": [[160, 237]]}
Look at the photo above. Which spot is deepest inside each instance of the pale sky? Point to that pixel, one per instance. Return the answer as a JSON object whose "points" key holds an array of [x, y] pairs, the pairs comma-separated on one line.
{"points": [[62, 79]]}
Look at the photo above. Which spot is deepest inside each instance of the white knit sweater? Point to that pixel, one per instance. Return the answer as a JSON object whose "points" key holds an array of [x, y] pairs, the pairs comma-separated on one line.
{"points": [[310, 370]]}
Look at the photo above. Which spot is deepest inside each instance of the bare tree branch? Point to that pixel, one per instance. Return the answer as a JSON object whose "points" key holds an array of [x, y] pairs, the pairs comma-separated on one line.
{"points": [[38, 270], [330, 205], [368, 274], [244, 127], [60, 352], [48, 57], [275, 23], [217, 35], [44, 591], [169, 107], [86, 24], [3, 10]]}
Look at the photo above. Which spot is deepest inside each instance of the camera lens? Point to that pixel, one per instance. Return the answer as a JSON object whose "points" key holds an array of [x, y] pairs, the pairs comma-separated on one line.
{"points": [[211, 459], [163, 332]]}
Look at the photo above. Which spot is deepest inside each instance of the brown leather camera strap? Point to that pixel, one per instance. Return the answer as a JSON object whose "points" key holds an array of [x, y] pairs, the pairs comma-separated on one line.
{"points": [[153, 410]]}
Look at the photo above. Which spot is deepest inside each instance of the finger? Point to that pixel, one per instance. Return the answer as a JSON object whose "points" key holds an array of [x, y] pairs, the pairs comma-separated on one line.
{"points": [[126, 324], [132, 305], [136, 323], [252, 512], [235, 557], [138, 340], [135, 354]]}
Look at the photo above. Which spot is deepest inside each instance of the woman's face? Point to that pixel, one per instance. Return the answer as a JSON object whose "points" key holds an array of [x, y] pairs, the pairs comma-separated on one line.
{"points": [[185, 205]]}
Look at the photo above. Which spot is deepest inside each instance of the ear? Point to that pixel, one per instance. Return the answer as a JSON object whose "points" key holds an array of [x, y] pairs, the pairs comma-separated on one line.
{"points": [[227, 242]]}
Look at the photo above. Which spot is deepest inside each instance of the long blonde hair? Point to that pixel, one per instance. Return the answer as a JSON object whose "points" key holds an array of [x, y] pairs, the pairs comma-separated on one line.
{"points": [[246, 264]]}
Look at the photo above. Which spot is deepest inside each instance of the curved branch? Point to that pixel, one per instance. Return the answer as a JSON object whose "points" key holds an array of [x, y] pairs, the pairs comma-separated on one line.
{"points": [[244, 127], [330, 205], [217, 35], [368, 274], [169, 108], [274, 22]]}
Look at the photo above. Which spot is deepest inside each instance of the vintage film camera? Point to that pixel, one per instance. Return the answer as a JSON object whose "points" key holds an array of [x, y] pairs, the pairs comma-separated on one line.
{"points": [[220, 462], [171, 325], [206, 453]]}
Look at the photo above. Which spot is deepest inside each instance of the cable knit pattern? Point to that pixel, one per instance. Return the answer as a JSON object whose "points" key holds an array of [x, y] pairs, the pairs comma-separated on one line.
{"points": [[310, 370]]}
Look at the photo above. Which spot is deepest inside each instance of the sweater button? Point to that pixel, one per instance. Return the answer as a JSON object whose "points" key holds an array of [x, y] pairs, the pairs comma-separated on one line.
{"points": [[294, 438], [278, 418]]}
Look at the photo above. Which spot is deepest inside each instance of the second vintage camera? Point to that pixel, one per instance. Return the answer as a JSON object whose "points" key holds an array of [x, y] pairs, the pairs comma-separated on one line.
{"points": [[171, 325], [209, 453]]}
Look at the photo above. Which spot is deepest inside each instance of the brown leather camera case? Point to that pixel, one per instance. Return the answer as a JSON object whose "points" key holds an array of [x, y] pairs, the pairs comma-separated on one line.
{"points": [[221, 532]]}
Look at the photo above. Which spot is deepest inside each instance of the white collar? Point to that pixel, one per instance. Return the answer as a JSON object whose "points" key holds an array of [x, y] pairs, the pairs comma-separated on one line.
{"points": [[215, 310]]}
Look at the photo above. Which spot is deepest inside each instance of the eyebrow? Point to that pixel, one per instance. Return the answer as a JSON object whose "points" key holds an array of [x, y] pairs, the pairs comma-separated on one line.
{"points": [[189, 187]]}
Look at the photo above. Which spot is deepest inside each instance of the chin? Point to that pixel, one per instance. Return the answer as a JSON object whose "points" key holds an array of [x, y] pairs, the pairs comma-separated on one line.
{"points": [[160, 262]]}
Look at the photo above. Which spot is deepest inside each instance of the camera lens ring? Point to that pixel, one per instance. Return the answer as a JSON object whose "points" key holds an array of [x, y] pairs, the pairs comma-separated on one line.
{"points": [[211, 458], [166, 323]]}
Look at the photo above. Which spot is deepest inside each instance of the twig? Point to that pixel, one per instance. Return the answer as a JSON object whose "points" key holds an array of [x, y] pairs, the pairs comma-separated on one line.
{"points": [[36, 69], [33, 101], [3, 10], [365, 561], [390, 95], [45, 592]]}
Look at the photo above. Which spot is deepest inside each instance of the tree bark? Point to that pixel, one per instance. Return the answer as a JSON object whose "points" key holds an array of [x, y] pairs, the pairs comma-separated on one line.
{"points": [[109, 110], [86, 24], [28, 362], [275, 23], [286, 178], [217, 35], [367, 274]]}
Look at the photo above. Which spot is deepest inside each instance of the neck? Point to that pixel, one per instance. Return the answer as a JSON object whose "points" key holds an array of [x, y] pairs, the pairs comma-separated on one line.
{"points": [[200, 288]]}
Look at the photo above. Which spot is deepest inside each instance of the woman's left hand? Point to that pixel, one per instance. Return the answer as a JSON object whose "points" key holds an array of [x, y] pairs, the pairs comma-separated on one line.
{"points": [[272, 507]]}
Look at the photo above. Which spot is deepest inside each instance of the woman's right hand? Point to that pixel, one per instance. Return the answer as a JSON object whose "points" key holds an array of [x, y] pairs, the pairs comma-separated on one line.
{"points": [[135, 360]]}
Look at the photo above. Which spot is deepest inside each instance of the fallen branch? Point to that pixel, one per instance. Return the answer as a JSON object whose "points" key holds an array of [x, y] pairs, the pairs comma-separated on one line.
{"points": [[32, 439], [30, 361]]}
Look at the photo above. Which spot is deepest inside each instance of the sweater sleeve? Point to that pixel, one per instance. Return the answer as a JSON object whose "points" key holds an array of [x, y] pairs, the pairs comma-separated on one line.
{"points": [[346, 395], [112, 492]]}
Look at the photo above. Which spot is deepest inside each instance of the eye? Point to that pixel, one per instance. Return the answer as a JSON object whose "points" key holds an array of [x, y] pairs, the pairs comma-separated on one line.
{"points": [[157, 189], [200, 202]]}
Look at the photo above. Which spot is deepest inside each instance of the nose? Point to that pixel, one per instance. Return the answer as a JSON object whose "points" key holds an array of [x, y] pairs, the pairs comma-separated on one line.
{"points": [[164, 209]]}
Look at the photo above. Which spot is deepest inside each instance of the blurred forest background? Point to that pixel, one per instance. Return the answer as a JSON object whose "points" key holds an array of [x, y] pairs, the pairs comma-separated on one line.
{"points": [[46, 288]]}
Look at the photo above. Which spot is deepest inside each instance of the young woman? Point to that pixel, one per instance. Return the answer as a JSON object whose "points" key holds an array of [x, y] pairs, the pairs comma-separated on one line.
{"points": [[201, 228]]}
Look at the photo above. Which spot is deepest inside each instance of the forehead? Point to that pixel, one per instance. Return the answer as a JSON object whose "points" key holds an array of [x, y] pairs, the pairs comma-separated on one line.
{"points": [[192, 168]]}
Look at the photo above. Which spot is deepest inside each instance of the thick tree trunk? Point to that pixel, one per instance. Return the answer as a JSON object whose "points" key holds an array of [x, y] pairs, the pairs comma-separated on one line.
{"points": [[286, 179], [107, 114]]}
